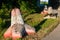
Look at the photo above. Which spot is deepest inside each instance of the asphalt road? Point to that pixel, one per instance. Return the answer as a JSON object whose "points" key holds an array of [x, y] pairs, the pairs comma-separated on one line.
{"points": [[54, 35]]}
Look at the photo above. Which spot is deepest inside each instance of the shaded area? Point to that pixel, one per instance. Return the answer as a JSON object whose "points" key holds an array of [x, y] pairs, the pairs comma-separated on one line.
{"points": [[9, 3], [54, 4], [0, 3], [38, 27]]}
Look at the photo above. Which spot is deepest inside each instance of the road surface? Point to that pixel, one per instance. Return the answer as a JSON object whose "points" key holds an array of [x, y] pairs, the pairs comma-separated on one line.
{"points": [[54, 35]]}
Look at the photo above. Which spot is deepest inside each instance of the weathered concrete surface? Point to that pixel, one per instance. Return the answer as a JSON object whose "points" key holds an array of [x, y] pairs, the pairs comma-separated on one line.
{"points": [[54, 35], [59, 11]]}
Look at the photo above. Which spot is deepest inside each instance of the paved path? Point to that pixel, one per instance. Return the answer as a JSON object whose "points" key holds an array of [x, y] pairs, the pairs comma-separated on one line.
{"points": [[54, 35]]}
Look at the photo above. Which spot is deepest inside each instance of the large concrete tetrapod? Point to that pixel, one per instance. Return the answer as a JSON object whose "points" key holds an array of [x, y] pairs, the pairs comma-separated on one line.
{"points": [[17, 31], [29, 29], [8, 33]]}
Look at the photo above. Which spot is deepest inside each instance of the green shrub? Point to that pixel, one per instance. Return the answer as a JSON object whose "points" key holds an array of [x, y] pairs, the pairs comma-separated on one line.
{"points": [[0, 22], [25, 8]]}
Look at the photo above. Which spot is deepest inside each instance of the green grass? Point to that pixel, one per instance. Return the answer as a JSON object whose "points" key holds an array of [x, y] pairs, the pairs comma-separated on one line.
{"points": [[48, 23], [33, 19], [47, 27]]}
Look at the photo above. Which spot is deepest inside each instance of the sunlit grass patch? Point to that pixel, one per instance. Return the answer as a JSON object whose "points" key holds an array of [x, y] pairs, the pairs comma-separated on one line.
{"points": [[48, 23], [33, 19]]}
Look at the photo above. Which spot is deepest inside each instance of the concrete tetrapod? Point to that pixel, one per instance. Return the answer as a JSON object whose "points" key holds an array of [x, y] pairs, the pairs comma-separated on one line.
{"points": [[17, 31], [18, 28], [29, 29], [8, 33]]}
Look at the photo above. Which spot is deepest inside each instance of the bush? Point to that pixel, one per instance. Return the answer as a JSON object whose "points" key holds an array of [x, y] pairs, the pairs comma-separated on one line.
{"points": [[25, 8]]}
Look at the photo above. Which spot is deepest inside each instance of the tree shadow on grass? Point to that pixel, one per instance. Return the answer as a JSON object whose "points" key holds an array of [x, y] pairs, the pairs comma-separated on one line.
{"points": [[38, 27]]}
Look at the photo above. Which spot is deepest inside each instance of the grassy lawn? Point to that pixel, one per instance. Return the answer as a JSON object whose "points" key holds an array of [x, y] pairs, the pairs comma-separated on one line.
{"points": [[42, 26]]}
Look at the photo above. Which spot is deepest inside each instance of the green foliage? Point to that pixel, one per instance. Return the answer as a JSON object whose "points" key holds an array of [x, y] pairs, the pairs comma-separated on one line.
{"points": [[0, 22], [25, 8], [43, 2], [4, 15]]}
